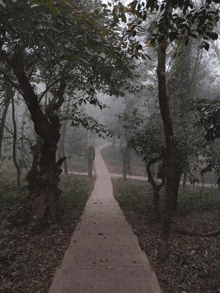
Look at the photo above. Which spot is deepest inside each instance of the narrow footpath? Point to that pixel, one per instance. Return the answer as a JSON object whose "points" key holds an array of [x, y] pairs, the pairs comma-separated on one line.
{"points": [[104, 255]]}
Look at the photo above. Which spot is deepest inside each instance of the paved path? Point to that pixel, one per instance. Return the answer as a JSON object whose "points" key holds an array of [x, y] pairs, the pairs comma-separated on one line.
{"points": [[104, 255]]}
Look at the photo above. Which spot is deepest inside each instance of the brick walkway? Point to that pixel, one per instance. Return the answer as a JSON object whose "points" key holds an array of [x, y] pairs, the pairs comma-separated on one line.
{"points": [[104, 255]]}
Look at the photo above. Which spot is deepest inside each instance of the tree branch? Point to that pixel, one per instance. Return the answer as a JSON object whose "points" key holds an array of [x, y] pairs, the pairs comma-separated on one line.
{"points": [[46, 90], [11, 82]]}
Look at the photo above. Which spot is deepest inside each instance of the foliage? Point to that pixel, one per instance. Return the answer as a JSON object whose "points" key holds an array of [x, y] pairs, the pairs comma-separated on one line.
{"points": [[115, 158], [209, 115], [183, 23], [78, 163], [147, 140], [52, 55], [61, 42]]}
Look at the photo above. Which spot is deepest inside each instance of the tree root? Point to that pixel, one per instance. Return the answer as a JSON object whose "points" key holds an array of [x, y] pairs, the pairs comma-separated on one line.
{"points": [[191, 233]]}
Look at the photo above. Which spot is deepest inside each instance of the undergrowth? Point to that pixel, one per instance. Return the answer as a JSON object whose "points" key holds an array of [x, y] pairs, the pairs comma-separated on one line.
{"points": [[26, 248], [193, 265], [192, 199]]}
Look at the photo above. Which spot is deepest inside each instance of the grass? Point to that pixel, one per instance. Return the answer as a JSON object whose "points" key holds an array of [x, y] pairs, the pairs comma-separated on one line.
{"points": [[196, 199], [140, 197], [193, 265], [29, 253], [76, 190], [77, 163]]}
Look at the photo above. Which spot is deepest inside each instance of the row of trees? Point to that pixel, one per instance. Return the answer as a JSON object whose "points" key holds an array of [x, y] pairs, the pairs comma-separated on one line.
{"points": [[57, 57], [178, 28]]}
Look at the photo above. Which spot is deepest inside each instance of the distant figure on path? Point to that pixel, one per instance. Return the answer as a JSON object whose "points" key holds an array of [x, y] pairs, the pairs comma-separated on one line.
{"points": [[90, 155]]}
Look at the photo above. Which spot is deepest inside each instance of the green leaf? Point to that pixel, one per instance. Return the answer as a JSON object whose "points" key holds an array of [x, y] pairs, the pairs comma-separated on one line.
{"points": [[123, 17]]}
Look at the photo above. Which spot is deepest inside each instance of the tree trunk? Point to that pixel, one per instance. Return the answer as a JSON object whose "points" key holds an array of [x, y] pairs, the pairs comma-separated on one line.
{"points": [[156, 188], [63, 146], [184, 180], [170, 192], [47, 204], [124, 171], [2, 124], [47, 126], [22, 148], [14, 144], [113, 144], [33, 175], [124, 161], [176, 185], [90, 154]]}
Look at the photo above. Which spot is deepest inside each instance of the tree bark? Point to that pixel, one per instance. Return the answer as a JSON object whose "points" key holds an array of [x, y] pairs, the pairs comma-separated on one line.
{"points": [[173, 170], [176, 184], [170, 191], [62, 143], [2, 124], [156, 188], [184, 180], [33, 175], [14, 143], [90, 154], [22, 148], [47, 126]]}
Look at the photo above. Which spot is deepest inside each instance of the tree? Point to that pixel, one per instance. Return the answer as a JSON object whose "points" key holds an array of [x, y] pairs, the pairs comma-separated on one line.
{"points": [[6, 103], [64, 51], [175, 21], [148, 143], [208, 112]]}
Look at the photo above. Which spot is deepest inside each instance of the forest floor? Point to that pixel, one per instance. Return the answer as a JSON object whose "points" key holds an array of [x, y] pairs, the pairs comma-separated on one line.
{"points": [[193, 265], [30, 254]]}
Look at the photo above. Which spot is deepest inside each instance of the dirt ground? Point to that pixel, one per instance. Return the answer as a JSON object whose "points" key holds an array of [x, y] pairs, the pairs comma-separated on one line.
{"points": [[42, 250], [193, 265], [194, 262], [30, 253]]}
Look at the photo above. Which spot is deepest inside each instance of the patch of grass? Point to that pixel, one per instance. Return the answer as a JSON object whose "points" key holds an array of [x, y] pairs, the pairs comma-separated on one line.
{"points": [[140, 198], [77, 163], [194, 199], [193, 264], [75, 193], [29, 255]]}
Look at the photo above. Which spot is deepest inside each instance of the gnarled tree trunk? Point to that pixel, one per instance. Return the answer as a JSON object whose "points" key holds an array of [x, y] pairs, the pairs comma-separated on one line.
{"points": [[156, 188], [47, 126]]}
